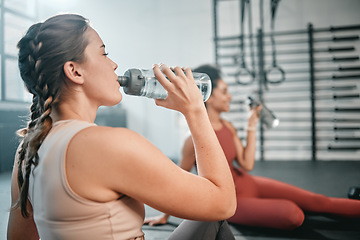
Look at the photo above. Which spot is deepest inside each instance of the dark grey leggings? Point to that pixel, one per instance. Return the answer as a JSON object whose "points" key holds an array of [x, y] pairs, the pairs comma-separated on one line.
{"points": [[195, 230]]}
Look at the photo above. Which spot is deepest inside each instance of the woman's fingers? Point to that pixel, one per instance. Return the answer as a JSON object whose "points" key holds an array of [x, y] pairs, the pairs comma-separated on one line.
{"points": [[168, 76], [164, 74], [168, 72], [188, 73], [179, 72], [160, 76], [258, 110], [183, 94]]}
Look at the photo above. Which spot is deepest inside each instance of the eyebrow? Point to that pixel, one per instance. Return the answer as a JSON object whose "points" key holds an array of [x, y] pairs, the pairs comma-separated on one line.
{"points": [[102, 46]]}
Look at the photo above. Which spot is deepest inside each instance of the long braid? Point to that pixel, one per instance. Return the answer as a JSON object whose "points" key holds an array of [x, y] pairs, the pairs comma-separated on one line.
{"points": [[34, 109], [22, 132], [43, 51], [33, 140], [28, 152]]}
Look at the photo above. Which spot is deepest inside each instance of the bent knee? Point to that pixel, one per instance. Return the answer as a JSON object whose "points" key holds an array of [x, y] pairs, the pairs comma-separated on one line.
{"points": [[295, 217]]}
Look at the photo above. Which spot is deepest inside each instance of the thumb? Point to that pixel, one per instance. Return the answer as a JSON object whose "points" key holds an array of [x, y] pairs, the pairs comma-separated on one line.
{"points": [[160, 102]]}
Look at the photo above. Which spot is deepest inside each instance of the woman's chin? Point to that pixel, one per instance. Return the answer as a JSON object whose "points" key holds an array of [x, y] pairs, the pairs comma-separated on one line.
{"points": [[227, 109]]}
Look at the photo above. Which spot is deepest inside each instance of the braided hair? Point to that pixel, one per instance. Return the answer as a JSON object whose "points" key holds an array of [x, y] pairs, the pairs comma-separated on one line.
{"points": [[43, 51]]}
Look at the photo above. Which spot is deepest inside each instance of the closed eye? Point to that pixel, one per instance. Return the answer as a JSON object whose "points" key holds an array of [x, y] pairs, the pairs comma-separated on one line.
{"points": [[103, 46]]}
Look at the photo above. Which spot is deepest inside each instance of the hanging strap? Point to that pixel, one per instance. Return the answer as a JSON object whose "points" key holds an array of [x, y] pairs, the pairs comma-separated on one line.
{"points": [[243, 69], [273, 8], [252, 53], [274, 66]]}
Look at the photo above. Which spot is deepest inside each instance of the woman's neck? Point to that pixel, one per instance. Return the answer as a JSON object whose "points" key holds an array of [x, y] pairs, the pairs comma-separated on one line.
{"points": [[68, 110], [215, 119]]}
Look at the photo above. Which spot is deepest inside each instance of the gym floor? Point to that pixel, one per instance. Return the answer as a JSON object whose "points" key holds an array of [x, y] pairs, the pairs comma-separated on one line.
{"points": [[333, 178]]}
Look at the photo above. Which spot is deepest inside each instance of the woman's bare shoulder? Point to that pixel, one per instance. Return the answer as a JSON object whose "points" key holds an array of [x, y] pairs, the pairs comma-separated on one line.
{"points": [[104, 134], [109, 139], [229, 125]]}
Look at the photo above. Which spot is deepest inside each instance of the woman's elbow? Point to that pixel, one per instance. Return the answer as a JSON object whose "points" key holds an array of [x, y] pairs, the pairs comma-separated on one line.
{"points": [[227, 207], [227, 211], [248, 165], [233, 204], [230, 210], [248, 168]]}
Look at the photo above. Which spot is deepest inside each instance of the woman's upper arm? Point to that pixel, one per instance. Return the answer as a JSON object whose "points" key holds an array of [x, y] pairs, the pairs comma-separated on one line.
{"points": [[135, 167], [18, 226], [188, 155]]}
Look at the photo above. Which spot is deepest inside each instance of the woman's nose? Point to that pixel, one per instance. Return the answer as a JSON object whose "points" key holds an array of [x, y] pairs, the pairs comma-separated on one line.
{"points": [[115, 66]]}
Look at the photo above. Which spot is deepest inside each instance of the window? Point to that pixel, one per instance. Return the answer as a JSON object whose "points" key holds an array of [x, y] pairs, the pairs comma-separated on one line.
{"points": [[15, 17]]}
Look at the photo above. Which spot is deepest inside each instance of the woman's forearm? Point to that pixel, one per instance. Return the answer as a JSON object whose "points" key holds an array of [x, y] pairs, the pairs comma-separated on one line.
{"points": [[210, 158], [250, 149]]}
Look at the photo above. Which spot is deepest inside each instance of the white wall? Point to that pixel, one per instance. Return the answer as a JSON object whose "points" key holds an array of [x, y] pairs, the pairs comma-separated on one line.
{"points": [[291, 14], [139, 33]]}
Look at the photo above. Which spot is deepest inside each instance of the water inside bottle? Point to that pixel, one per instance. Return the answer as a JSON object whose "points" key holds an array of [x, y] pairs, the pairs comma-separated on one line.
{"points": [[153, 88]]}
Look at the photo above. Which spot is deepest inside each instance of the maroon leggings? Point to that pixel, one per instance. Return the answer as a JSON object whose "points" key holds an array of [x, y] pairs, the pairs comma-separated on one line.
{"points": [[265, 202]]}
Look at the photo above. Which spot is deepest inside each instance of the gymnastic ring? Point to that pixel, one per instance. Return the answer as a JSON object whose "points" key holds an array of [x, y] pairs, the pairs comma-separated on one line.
{"points": [[275, 69], [244, 71]]}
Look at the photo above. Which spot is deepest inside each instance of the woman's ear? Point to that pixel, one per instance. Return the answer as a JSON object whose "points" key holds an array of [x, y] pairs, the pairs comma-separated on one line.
{"points": [[72, 71]]}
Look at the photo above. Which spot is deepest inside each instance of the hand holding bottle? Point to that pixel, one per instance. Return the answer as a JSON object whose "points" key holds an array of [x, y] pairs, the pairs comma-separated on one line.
{"points": [[254, 117], [267, 117], [183, 93], [142, 82]]}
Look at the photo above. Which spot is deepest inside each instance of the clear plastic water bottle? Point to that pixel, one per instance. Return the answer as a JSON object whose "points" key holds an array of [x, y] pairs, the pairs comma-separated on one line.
{"points": [[267, 117], [141, 82]]}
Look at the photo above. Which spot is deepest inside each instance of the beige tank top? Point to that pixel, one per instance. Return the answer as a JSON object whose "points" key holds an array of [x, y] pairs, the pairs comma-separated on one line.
{"points": [[60, 213]]}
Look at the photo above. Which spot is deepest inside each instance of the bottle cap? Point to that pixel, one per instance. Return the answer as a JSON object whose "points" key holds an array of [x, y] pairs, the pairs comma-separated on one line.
{"points": [[135, 81]]}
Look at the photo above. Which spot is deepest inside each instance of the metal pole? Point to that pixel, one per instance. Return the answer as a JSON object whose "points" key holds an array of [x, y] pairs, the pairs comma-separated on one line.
{"points": [[2, 50], [261, 83], [215, 31], [312, 90], [262, 15]]}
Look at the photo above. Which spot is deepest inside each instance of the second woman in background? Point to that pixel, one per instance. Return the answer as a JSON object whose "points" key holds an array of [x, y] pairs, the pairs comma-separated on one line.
{"points": [[261, 202]]}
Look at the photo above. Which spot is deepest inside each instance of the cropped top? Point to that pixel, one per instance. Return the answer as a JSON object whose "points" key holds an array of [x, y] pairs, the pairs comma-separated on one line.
{"points": [[226, 140], [60, 213]]}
